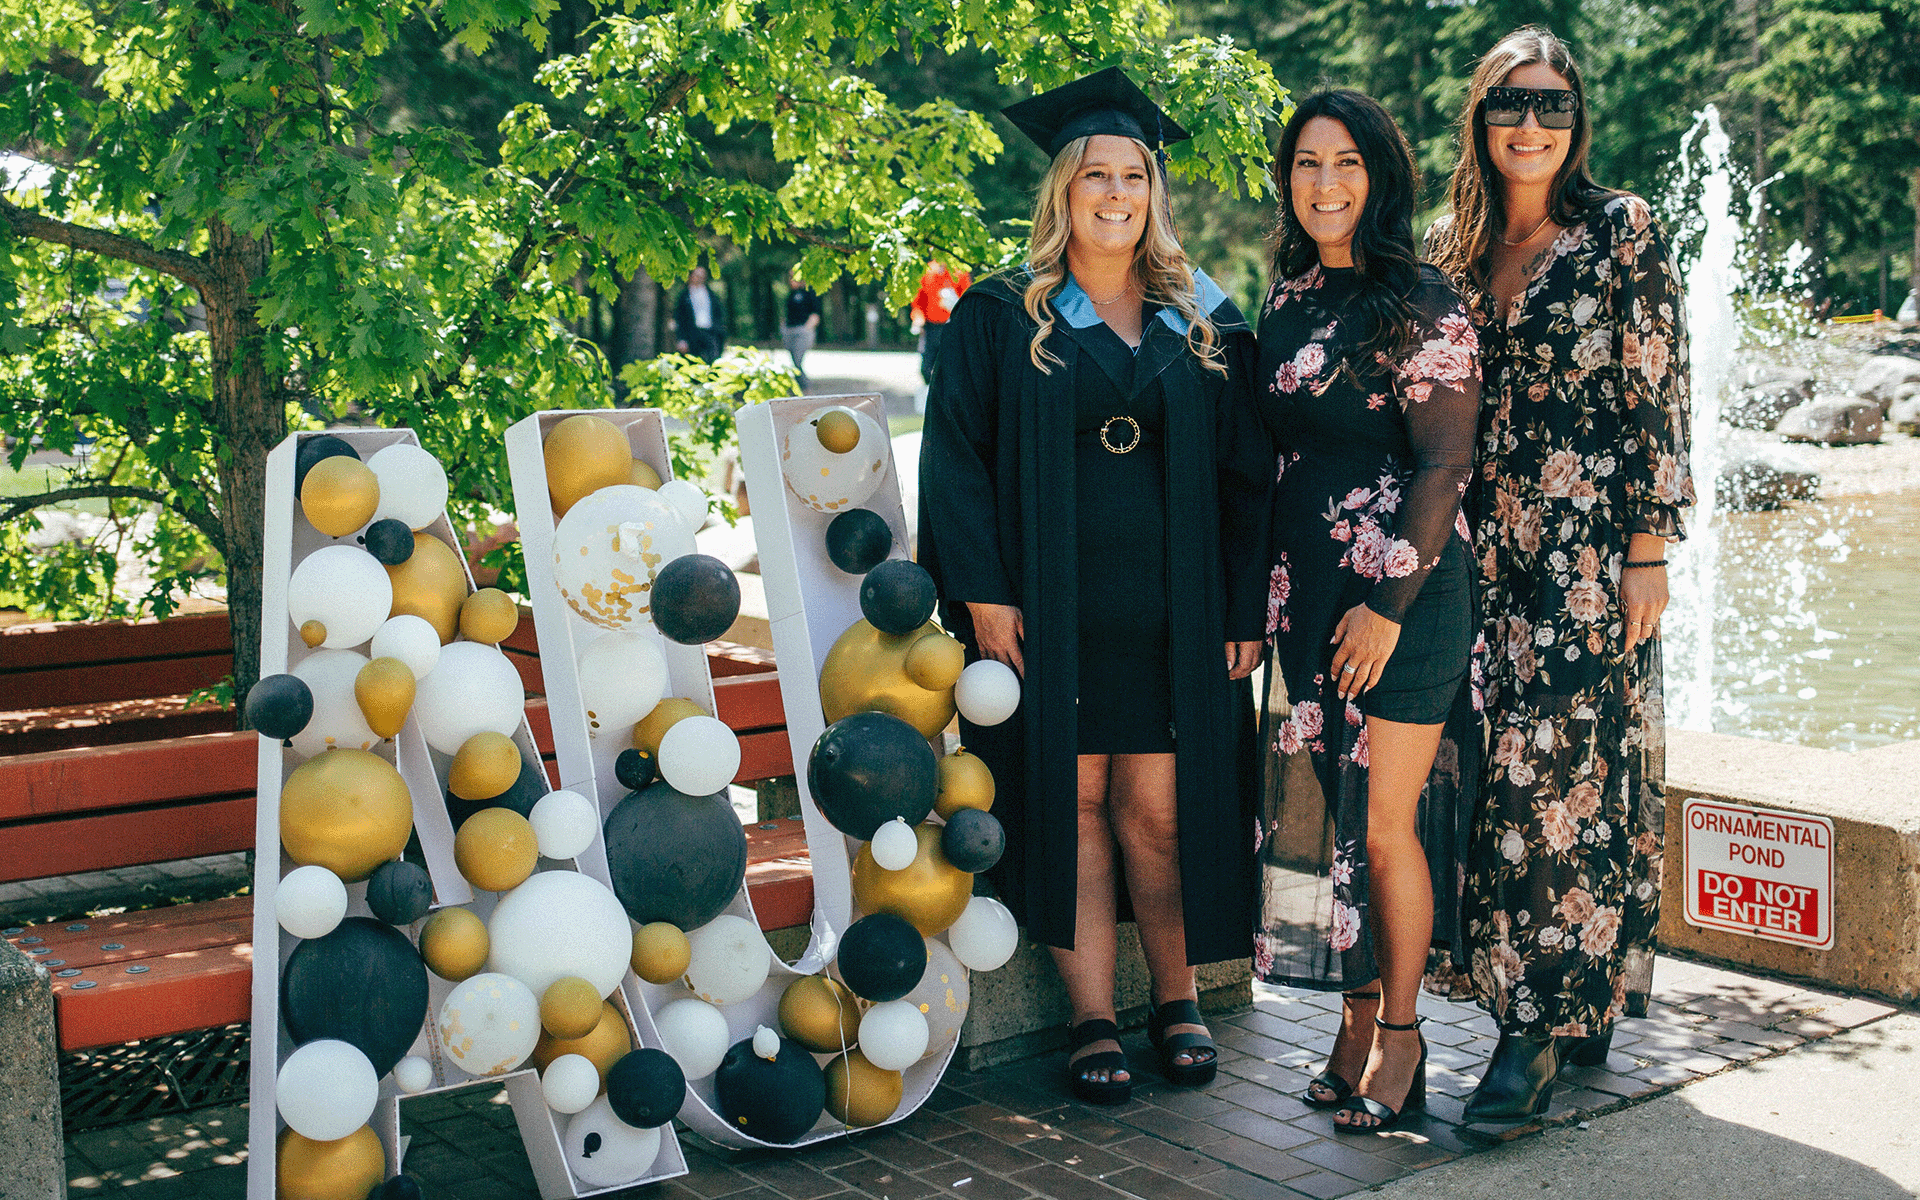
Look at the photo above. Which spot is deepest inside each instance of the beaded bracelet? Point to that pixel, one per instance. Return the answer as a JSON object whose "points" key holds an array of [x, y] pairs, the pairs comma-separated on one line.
{"points": [[1651, 562]]}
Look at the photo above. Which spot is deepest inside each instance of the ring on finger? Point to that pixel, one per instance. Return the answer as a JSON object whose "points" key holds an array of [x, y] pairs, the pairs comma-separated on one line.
{"points": [[1347, 670]]}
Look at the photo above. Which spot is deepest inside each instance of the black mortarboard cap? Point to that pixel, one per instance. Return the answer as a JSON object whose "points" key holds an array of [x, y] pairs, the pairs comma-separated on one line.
{"points": [[1103, 102]]}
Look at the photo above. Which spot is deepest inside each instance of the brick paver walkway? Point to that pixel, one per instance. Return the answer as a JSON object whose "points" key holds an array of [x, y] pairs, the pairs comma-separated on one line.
{"points": [[1013, 1132]]}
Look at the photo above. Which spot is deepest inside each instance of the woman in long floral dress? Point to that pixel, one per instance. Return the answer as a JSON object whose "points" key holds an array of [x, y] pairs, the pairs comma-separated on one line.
{"points": [[1372, 389], [1583, 474]]}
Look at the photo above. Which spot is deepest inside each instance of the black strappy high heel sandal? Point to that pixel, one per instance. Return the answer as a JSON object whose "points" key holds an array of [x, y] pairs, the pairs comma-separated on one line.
{"points": [[1385, 1118], [1197, 1073], [1340, 1088], [1097, 1091]]}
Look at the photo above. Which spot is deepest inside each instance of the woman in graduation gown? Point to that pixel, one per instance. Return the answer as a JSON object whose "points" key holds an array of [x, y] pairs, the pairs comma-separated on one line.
{"points": [[1094, 489]]}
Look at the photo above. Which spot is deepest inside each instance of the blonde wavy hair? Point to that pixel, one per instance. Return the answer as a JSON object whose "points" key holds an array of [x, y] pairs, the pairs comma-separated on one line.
{"points": [[1160, 266]]}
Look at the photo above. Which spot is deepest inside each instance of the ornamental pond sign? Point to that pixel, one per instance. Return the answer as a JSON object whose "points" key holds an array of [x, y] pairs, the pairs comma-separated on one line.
{"points": [[1763, 873]]}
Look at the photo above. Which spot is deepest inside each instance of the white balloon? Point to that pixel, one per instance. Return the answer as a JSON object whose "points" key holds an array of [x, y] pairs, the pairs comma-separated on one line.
{"points": [[699, 755], [472, 689], [608, 548], [344, 588], [413, 1074], [489, 1024], [603, 1150], [413, 485], [622, 676], [893, 1035], [895, 846], [687, 500], [987, 692], [985, 936], [309, 902], [941, 996], [695, 1034], [413, 640], [731, 959], [828, 482], [338, 723], [565, 824], [570, 1083], [556, 924], [326, 1090]]}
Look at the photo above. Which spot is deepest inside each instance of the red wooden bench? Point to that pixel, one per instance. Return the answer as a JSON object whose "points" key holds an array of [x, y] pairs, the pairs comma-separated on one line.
{"points": [[87, 808]]}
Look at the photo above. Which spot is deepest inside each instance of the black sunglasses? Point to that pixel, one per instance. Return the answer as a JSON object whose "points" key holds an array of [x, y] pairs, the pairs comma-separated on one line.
{"points": [[1555, 107]]}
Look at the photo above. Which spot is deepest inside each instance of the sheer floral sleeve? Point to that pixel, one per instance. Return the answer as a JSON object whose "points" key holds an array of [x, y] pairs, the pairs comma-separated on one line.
{"points": [[1649, 311], [1438, 386]]}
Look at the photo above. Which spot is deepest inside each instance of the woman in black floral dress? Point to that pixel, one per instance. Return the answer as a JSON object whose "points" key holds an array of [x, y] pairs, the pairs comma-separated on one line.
{"points": [[1372, 388], [1583, 476]]}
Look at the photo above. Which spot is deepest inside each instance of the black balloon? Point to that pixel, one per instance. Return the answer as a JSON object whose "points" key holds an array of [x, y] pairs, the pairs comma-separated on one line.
{"points": [[314, 449], [897, 596], [389, 540], [695, 599], [635, 769], [645, 1088], [674, 857], [867, 769], [521, 797], [400, 892], [973, 840], [363, 983], [400, 1187], [882, 957], [858, 540], [280, 706], [775, 1100]]}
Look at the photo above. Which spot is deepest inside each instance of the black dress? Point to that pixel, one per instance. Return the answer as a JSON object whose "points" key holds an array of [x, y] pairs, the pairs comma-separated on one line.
{"points": [[1000, 523], [1374, 458]]}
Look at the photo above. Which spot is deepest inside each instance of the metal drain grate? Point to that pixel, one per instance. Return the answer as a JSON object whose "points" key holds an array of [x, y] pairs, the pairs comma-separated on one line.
{"points": [[178, 1073]]}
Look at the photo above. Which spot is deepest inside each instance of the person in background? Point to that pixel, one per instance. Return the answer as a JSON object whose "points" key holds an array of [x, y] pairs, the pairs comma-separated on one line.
{"points": [[802, 323], [933, 305], [699, 319]]}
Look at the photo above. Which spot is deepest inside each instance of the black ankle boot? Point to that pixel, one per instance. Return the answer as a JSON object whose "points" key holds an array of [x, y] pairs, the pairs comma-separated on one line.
{"points": [[1518, 1083], [1587, 1051]]}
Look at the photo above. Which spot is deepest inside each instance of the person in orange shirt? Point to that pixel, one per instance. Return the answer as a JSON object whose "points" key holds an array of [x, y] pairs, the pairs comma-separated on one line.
{"points": [[932, 306]]}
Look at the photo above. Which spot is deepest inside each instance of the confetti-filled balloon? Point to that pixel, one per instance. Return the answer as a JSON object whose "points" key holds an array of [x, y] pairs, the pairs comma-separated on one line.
{"points": [[942, 996], [609, 547], [489, 1024], [731, 959], [832, 481], [622, 678]]}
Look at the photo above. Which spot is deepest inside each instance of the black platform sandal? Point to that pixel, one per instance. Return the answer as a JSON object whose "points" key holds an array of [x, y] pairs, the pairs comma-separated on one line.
{"points": [[1327, 1079], [1519, 1080], [1097, 1091], [1385, 1118], [1201, 1071]]}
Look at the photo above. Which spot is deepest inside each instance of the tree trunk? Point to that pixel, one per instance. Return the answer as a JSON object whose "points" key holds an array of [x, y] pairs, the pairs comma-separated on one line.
{"points": [[1813, 235], [1913, 268], [249, 413], [632, 337]]}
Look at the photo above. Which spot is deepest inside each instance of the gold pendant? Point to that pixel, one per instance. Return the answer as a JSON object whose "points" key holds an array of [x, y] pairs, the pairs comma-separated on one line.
{"points": [[1110, 423]]}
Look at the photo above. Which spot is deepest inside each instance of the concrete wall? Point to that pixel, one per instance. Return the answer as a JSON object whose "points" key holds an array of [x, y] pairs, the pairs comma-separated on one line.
{"points": [[1873, 800], [32, 1154]]}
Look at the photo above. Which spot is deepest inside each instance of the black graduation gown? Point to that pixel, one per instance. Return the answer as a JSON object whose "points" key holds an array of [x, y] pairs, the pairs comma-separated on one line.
{"points": [[997, 526]]}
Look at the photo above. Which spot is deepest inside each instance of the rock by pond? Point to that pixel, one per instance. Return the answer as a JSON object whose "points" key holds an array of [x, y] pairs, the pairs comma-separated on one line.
{"points": [[1847, 421], [1757, 483], [1879, 378]]}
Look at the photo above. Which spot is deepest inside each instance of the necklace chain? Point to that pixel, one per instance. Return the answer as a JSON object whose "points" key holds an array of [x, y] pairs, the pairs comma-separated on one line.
{"points": [[1117, 295], [1505, 241]]}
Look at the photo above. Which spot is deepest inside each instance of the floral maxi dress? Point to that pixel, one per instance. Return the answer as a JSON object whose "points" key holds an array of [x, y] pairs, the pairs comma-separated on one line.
{"points": [[1583, 443]]}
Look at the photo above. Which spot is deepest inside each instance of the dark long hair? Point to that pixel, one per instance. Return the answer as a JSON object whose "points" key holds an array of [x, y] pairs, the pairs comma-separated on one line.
{"points": [[1383, 253], [1479, 212]]}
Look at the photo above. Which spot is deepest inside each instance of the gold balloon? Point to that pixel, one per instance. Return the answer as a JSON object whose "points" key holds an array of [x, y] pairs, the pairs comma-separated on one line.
{"points": [[965, 782], [929, 892], [867, 671], [935, 662], [496, 849], [665, 715], [570, 1008], [384, 691], [584, 454], [345, 810], [661, 952], [488, 616], [838, 432], [859, 1093], [344, 1170], [644, 476], [431, 585], [339, 495], [486, 764], [821, 1014], [455, 943], [313, 633], [605, 1046]]}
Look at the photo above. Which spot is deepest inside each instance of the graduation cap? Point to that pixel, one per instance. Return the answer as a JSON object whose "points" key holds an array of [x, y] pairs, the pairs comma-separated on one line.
{"points": [[1103, 102]]}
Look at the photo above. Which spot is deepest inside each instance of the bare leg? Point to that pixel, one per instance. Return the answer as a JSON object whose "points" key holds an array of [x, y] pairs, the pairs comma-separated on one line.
{"points": [[1087, 969], [1400, 893], [1146, 825], [1352, 1044]]}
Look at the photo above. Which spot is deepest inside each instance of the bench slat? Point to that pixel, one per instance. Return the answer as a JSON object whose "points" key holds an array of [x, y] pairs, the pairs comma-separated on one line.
{"points": [[193, 989], [60, 782], [36, 850], [24, 647], [750, 701]]}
